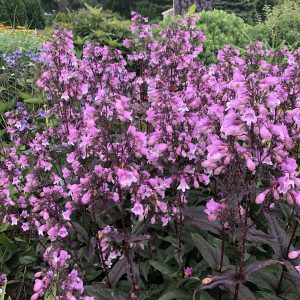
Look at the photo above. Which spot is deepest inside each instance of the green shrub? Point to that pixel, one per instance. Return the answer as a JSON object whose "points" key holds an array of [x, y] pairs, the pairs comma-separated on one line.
{"points": [[220, 28], [95, 24], [4, 15], [281, 25], [27, 13]]}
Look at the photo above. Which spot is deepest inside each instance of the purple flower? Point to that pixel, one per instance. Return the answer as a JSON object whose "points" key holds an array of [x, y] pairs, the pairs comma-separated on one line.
{"points": [[212, 209], [188, 272], [138, 209], [126, 178]]}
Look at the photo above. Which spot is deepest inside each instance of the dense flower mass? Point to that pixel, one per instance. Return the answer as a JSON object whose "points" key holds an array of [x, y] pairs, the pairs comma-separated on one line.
{"points": [[136, 143]]}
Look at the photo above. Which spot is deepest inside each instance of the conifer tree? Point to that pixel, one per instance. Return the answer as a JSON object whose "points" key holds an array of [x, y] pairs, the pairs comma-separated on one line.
{"points": [[246, 9], [182, 6]]}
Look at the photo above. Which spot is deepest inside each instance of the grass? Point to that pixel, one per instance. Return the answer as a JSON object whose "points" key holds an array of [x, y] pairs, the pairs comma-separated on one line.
{"points": [[20, 37]]}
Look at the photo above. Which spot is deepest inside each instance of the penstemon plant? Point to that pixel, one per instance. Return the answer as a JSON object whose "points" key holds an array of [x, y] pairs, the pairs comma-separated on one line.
{"points": [[155, 161]]}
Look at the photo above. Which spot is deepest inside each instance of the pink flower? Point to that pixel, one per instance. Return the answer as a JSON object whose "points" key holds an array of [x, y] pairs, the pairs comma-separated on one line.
{"points": [[66, 214], [188, 272], [38, 285], [138, 209], [212, 209], [260, 198], [62, 232], [250, 164], [265, 133], [294, 254], [126, 178], [165, 220], [25, 226], [86, 197], [270, 80], [249, 117], [183, 186]]}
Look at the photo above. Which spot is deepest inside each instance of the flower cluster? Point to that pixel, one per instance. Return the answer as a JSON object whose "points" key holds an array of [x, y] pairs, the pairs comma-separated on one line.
{"points": [[115, 141]]}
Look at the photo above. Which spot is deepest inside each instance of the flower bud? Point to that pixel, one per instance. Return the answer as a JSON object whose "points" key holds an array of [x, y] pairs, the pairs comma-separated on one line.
{"points": [[294, 254]]}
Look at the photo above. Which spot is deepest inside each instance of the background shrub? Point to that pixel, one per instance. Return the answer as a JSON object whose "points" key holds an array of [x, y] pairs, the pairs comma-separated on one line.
{"points": [[220, 28], [35, 14], [14, 12], [95, 24], [281, 25]]}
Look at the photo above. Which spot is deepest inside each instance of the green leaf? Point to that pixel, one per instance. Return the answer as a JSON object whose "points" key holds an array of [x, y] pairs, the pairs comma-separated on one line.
{"points": [[205, 296], [162, 267], [118, 270], [192, 9], [175, 295], [6, 242], [81, 232], [24, 95], [100, 292], [144, 269], [3, 228], [7, 106], [264, 280], [268, 296], [210, 254], [35, 101], [244, 293], [3, 132], [280, 236], [51, 295], [27, 260], [4, 107]]}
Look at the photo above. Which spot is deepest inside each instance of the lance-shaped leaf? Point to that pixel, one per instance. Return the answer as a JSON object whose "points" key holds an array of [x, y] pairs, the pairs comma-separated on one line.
{"points": [[260, 265], [293, 276], [117, 271], [194, 212], [176, 294], [199, 219], [227, 278], [258, 236], [244, 293], [210, 254], [282, 239], [213, 227], [81, 233], [100, 292], [163, 268]]}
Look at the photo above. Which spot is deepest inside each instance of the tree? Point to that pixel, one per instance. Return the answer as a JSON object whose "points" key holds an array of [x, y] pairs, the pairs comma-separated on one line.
{"points": [[246, 9], [262, 3], [181, 6]]}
